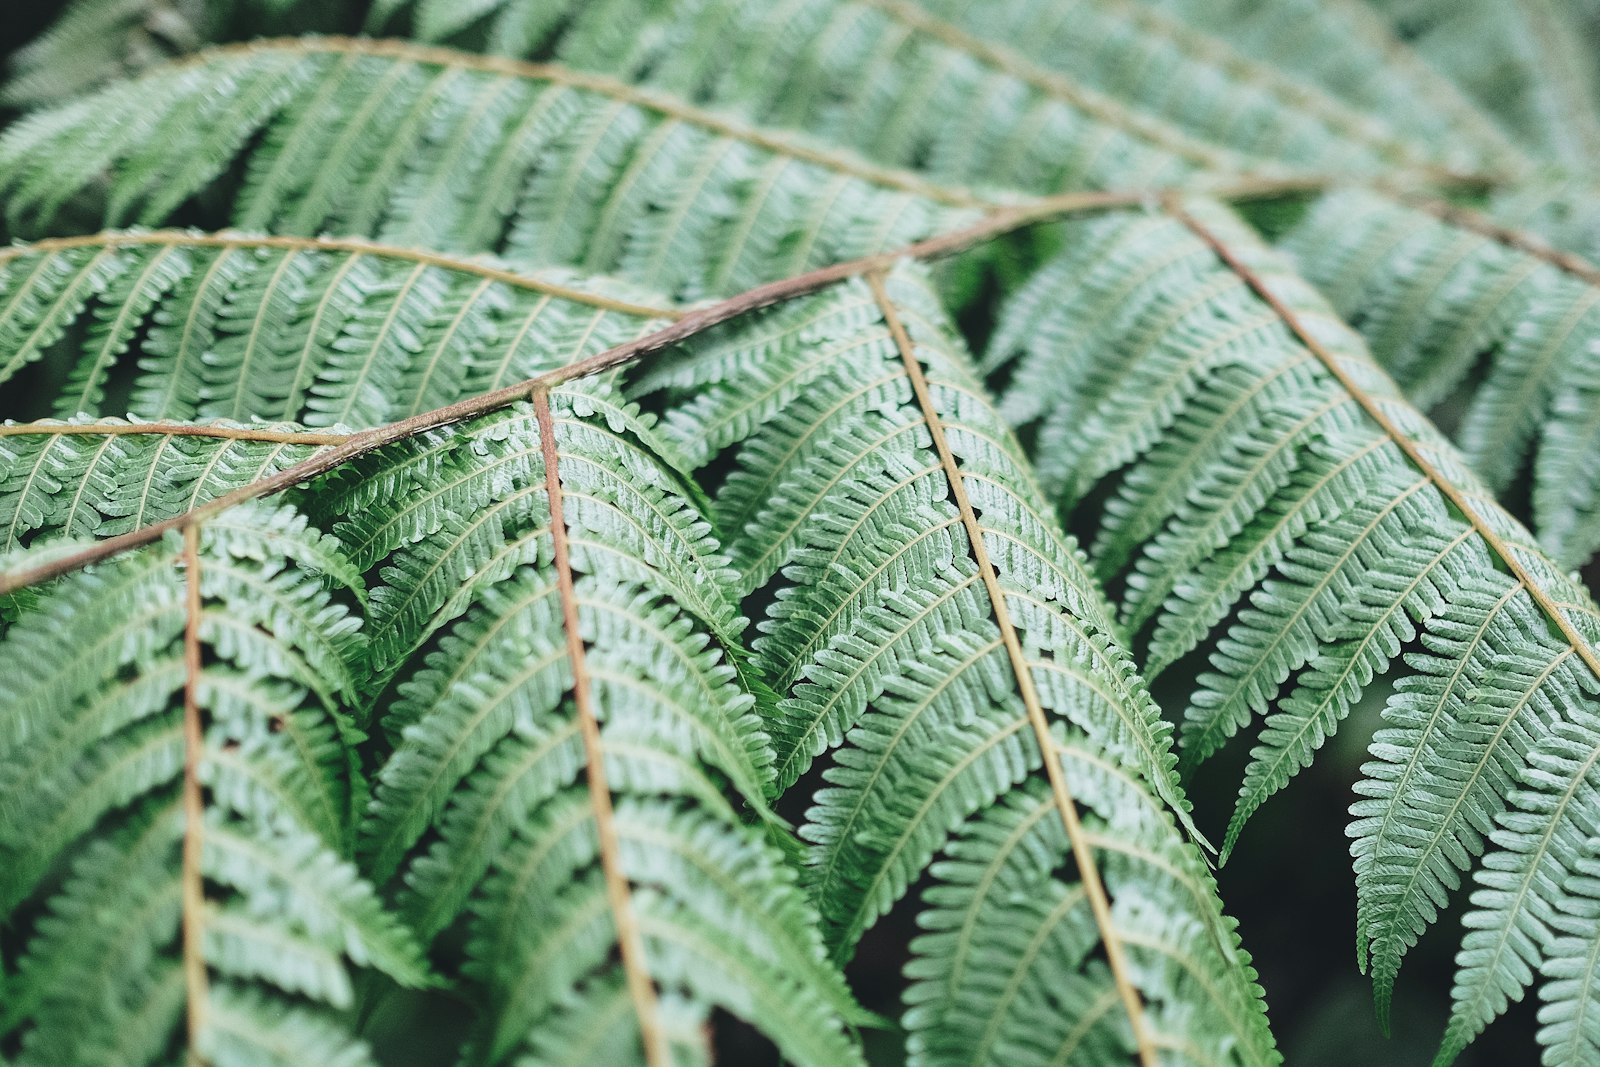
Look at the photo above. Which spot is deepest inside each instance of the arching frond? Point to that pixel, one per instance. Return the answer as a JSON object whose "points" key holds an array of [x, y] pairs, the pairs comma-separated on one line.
{"points": [[557, 786], [177, 797], [1050, 95], [1257, 461], [456, 152], [1434, 301], [188, 326], [942, 636]]}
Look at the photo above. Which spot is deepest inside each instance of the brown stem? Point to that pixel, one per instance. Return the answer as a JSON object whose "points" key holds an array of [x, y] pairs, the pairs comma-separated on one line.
{"points": [[688, 324], [1066, 806], [1521, 240], [191, 877], [1413, 451], [630, 942], [170, 429], [356, 246]]}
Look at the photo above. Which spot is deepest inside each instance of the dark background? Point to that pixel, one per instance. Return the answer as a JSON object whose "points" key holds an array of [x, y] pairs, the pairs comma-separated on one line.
{"points": [[22, 20], [1289, 885]]}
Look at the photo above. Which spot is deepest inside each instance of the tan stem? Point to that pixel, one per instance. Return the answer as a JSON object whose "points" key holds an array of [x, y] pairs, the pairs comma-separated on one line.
{"points": [[1082, 851], [1446, 487], [170, 429], [345, 245], [191, 877], [630, 942]]}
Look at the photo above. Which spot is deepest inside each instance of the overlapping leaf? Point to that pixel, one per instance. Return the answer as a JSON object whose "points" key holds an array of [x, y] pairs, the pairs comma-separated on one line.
{"points": [[890, 649], [1432, 300], [1250, 478], [93, 754]]}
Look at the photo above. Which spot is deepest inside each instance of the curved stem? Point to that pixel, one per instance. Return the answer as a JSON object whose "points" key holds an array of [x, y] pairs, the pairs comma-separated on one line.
{"points": [[556, 74], [687, 324], [348, 245], [1374, 410]]}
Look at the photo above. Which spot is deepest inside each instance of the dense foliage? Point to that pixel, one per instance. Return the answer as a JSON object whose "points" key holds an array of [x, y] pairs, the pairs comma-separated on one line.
{"points": [[508, 553]]}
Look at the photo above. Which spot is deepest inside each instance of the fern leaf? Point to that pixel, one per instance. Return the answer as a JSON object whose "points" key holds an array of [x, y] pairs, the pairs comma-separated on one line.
{"points": [[1433, 297], [1374, 536], [890, 645], [221, 663], [94, 478], [640, 895], [583, 169], [323, 332]]}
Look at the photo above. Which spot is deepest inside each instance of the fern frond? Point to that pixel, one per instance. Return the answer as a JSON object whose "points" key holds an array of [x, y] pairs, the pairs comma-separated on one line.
{"points": [[578, 168], [93, 478], [1432, 298], [558, 794], [946, 640], [1341, 528], [1528, 63], [1354, 52], [178, 795], [321, 331], [1049, 96]]}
